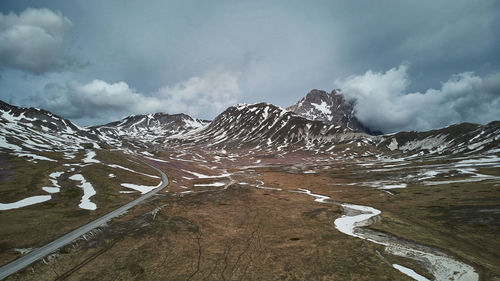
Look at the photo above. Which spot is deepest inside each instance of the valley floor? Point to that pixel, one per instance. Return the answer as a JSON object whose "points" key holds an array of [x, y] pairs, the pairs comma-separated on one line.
{"points": [[240, 215]]}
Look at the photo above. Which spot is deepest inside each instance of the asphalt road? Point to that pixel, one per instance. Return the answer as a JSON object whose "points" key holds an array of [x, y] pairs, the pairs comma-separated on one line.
{"points": [[41, 252]]}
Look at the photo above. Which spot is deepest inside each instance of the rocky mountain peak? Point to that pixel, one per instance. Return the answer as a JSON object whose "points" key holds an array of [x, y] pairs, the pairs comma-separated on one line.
{"points": [[330, 108]]}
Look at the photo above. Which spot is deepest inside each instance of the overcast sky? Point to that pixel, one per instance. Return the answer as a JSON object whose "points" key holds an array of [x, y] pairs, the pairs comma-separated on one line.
{"points": [[412, 65]]}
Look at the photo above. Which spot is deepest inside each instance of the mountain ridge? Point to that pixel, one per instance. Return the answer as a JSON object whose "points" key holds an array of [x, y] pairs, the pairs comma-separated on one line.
{"points": [[259, 125], [262, 123], [149, 127]]}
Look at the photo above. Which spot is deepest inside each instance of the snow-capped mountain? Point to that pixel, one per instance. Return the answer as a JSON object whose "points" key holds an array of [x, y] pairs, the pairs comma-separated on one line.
{"points": [[459, 138], [263, 124], [29, 132], [33, 133], [330, 108], [149, 127], [37, 119]]}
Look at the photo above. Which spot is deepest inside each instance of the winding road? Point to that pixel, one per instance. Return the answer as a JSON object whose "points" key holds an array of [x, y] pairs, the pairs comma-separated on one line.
{"points": [[41, 252]]}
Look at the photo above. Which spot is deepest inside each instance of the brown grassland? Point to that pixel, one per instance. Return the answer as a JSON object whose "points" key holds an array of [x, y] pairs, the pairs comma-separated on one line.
{"points": [[240, 232]]}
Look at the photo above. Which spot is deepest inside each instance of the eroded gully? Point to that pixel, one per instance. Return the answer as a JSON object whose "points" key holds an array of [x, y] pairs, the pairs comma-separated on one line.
{"points": [[356, 218]]}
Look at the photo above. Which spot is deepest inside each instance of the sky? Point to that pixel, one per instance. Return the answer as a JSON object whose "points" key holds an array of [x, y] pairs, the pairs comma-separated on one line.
{"points": [[410, 65]]}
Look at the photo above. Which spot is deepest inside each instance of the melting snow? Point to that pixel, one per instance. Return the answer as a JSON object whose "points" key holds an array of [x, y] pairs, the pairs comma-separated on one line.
{"points": [[51, 189], [130, 170], [317, 197], [393, 145], [127, 191], [410, 272], [443, 267], [141, 188], [89, 158], [392, 186], [69, 155], [201, 176], [323, 108], [88, 191], [216, 184], [5, 144], [428, 175], [55, 186], [346, 224], [35, 157], [25, 202], [492, 159]]}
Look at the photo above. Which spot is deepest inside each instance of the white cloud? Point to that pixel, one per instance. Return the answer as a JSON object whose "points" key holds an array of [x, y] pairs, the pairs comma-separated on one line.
{"points": [[203, 97], [33, 40], [382, 102]]}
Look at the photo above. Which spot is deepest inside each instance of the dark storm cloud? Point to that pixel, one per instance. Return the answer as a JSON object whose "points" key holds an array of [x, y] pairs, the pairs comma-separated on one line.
{"points": [[384, 103], [278, 49]]}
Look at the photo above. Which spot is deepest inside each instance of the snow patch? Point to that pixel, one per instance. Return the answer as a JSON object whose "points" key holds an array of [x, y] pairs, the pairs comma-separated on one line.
{"points": [[410, 272], [216, 184], [130, 170], [25, 202], [35, 157], [141, 188], [392, 186], [89, 158], [393, 145], [347, 223], [7, 145], [202, 176], [88, 191], [51, 189]]}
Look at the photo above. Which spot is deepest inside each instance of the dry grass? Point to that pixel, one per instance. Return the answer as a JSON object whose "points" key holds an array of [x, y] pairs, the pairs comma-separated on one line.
{"points": [[38, 224], [239, 234], [245, 233]]}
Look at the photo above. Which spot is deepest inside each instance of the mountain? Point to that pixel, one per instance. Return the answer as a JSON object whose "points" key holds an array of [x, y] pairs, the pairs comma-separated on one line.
{"points": [[266, 125], [31, 129], [459, 138], [330, 108], [30, 132], [37, 119], [149, 128]]}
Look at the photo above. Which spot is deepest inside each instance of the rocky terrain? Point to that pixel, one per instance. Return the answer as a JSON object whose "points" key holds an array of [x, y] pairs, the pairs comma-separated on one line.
{"points": [[265, 125], [330, 108]]}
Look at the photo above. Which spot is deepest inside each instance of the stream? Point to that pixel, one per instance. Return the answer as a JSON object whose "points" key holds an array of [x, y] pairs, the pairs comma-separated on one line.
{"points": [[357, 217]]}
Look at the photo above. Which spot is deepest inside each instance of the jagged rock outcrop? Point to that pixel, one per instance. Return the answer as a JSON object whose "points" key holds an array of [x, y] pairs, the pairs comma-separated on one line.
{"points": [[330, 108]]}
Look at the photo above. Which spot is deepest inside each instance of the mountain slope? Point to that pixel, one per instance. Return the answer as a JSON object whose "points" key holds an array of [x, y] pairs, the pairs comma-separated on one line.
{"points": [[148, 128], [330, 108], [465, 137], [28, 131], [264, 124]]}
